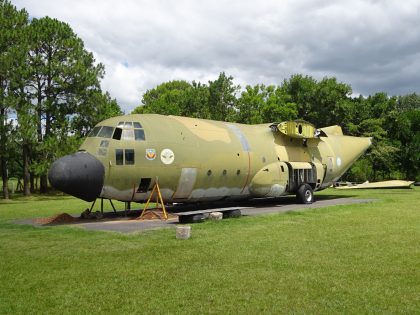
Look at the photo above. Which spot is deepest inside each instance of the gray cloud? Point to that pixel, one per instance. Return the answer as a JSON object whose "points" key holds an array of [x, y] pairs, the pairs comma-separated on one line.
{"points": [[372, 45]]}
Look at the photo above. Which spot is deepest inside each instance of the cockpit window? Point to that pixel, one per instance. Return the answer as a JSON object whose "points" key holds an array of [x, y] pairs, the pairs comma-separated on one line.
{"points": [[127, 134], [94, 132], [130, 131], [139, 134], [117, 134], [106, 132]]}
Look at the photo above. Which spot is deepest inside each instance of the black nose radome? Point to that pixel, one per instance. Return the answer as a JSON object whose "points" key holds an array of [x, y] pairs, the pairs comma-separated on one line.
{"points": [[79, 174]]}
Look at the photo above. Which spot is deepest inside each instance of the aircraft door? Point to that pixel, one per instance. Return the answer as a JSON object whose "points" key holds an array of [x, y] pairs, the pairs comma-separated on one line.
{"points": [[186, 183]]}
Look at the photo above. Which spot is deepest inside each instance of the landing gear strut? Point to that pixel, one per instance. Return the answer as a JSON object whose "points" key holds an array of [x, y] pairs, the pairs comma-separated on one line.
{"points": [[88, 214]]}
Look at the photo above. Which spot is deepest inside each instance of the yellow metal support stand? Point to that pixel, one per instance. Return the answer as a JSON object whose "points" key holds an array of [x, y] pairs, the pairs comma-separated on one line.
{"points": [[159, 199]]}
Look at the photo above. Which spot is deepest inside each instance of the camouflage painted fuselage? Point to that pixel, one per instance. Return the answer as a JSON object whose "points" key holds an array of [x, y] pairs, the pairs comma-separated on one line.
{"points": [[202, 160]]}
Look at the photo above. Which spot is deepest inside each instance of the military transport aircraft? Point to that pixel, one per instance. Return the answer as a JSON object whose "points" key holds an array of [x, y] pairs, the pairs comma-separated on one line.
{"points": [[203, 160]]}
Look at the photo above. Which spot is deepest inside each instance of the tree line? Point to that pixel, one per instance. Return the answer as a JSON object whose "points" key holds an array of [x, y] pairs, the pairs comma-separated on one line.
{"points": [[392, 121], [50, 95]]}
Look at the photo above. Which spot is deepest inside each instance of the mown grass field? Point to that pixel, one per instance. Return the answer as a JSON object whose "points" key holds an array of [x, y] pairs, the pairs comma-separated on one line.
{"points": [[353, 259]]}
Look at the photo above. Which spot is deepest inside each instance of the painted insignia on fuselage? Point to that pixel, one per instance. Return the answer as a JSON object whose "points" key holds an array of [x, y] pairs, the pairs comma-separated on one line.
{"points": [[167, 156], [150, 154]]}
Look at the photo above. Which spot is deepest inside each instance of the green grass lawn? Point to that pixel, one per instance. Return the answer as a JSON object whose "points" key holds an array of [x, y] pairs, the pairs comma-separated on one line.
{"points": [[353, 259]]}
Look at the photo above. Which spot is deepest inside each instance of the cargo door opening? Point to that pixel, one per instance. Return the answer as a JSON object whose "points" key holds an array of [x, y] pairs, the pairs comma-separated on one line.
{"points": [[301, 173]]}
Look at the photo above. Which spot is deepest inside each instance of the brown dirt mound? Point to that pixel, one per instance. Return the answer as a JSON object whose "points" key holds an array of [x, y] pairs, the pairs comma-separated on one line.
{"points": [[56, 219]]}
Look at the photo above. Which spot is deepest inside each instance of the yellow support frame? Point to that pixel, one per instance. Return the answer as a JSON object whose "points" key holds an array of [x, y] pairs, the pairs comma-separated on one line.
{"points": [[159, 199]]}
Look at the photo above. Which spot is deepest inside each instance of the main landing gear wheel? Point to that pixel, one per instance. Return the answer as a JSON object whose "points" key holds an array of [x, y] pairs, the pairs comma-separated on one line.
{"points": [[305, 194]]}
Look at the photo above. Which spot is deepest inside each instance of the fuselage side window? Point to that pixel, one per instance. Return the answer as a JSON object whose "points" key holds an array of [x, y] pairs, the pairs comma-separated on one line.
{"points": [[137, 125], [129, 157], [121, 124], [128, 124], [119, 156], [106, 132]]}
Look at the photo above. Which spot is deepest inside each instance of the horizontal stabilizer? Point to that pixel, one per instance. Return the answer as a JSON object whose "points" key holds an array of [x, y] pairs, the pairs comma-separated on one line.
{"points": [[333, 130]]}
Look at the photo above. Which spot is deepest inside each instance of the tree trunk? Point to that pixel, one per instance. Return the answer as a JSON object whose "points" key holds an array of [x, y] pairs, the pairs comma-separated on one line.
{"points": [[26, 174], [3, 159], [43, 184], [32, 182], [5, 178]]}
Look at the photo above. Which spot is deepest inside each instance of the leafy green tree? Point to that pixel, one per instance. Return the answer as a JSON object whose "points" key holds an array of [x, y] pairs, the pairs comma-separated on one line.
{"points": [[263, 104], [278, 106], [178, 98], [302, 90], [12, 24], [168, 98], [381, 104], [361, 171], [404, 128], [331, 104], [215, 101], [97, 106], [222, 98], [410, 148], [250, 104], [408, 102], [196, 101], [369, 119], [60, 71], [25, 132], [322, 103]]}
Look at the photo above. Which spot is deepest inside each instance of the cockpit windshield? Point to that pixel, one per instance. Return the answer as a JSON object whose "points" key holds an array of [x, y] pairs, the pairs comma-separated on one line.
{"points": [[126, 130], [106, 132], [101, 131], [129, 130]]}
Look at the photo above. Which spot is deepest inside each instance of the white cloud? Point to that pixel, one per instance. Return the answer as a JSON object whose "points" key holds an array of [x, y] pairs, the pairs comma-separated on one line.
{"points": [[372, 45]]}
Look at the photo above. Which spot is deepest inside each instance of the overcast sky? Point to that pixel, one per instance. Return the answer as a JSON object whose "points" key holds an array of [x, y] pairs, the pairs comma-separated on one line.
{"points": [[372, 45]]}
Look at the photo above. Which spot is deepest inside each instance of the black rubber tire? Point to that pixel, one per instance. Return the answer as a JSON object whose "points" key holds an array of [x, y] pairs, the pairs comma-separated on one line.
{"points": [[305, 194], [194, 218], [417, 184], [232, 214]]}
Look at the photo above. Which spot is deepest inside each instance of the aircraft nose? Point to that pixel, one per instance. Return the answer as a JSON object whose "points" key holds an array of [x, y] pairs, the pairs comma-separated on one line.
{"points": [[79, 174]]}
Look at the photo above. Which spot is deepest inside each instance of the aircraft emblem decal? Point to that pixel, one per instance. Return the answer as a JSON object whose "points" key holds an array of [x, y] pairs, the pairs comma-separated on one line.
{"points": [[150, 154], [167, 156]]}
